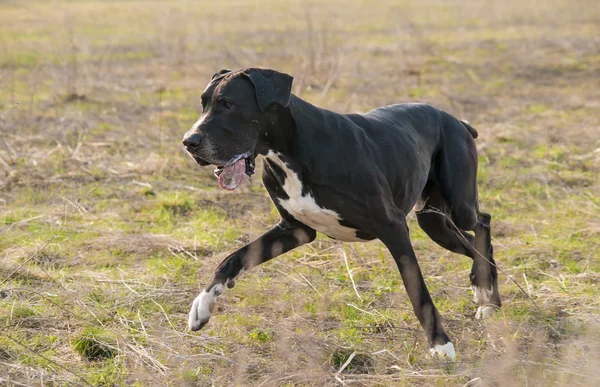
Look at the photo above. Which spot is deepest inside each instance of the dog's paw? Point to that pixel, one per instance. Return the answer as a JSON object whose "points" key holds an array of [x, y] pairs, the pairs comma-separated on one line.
{"points": [[485, 312], [481, 296], [443, 351], [202, 307]]}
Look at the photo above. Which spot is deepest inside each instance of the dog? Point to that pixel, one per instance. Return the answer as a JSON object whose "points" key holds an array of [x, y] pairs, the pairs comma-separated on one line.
{"points": [[352, 177]]}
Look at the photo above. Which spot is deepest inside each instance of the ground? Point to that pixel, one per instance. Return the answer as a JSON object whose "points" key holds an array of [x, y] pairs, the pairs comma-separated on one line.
{"points": [[108, 229]]}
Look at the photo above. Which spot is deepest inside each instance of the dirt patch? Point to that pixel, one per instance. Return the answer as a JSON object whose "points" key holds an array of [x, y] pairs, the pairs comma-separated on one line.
{"points": [[51, 260], [139, 244]]}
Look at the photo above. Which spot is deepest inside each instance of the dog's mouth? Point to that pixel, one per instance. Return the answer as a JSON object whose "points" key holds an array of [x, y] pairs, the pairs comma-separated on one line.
{"points": [[199, 160], [232, 173]]}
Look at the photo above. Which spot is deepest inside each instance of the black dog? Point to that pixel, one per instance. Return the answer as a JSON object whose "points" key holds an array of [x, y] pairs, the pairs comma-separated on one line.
{"points": [[353, 177]]}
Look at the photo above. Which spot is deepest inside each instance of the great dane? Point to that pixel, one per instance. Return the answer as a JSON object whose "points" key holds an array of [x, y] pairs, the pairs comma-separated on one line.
{"points": [[352, 177]]}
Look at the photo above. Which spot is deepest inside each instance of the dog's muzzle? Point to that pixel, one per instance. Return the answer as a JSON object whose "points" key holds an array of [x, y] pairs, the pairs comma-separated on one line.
{"points": [[192, 144], [199, 160]]}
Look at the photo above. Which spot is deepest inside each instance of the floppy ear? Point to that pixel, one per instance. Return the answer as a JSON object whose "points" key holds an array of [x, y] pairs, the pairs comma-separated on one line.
{"points": [[271, 86], [224, 71]]}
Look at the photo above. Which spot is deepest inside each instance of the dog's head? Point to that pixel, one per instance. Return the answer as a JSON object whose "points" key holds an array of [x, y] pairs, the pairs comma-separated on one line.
{"points": [[237, 106]]}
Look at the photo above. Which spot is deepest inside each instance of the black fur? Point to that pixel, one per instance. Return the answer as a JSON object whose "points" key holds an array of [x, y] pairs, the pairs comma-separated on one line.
{"points": [[371, 169]]}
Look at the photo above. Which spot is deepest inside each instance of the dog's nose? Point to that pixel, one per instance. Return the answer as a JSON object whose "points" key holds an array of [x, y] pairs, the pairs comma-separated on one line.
{"points": [[191, 140]]}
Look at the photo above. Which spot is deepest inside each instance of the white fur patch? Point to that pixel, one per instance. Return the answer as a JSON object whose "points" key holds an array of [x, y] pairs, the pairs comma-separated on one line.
{"points": [[482, 296], [485, 311], [202, 307], [446, 350], [306, 210], [194, 128]]}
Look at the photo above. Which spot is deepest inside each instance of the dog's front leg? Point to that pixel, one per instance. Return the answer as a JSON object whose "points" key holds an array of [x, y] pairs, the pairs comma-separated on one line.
{"points": [[280, 239]]}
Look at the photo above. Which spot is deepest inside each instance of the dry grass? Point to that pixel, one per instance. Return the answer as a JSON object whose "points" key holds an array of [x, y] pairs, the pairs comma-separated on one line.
{"points": [[106, 226]]}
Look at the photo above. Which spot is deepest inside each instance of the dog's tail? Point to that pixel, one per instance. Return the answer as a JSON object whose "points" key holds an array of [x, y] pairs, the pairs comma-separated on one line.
{"points": [[471, 129]]}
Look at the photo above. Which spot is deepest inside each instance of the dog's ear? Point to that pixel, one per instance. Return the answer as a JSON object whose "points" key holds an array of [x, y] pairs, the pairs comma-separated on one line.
{"points": [[224, 71], [271, 86]]}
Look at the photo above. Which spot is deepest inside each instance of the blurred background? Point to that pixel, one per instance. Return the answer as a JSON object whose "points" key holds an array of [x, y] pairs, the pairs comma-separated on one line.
{"points": [[108, 229]]}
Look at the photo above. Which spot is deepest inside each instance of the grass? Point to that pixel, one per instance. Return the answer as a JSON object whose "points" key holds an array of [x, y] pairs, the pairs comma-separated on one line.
{"points": [[126, 227], [93, 344]]}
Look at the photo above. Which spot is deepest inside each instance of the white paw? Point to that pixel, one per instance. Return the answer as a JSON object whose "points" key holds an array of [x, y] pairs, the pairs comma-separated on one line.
{"points": [[485, 311], [442, 351], [202, 307], [481, 295]]}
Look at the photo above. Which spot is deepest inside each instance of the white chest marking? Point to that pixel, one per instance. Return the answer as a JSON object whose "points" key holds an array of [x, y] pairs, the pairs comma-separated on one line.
{"points": [[306, 210]]}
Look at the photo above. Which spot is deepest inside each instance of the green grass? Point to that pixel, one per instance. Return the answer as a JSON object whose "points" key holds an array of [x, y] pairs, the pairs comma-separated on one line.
{"points": [[117, 228], [95, 344]]}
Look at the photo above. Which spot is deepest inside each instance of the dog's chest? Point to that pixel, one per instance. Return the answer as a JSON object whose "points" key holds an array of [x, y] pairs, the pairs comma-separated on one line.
{"points": [[301, 204]]}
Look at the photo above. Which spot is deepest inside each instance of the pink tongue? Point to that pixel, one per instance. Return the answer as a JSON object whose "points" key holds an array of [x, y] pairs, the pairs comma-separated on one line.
{"points": [[232, 175]]}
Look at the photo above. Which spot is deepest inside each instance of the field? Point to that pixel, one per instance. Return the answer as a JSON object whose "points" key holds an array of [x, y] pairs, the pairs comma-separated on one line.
{"points": [[108, 229]]}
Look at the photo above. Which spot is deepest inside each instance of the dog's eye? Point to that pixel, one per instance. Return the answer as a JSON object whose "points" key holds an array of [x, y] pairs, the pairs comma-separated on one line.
{"points": [[228, 105]]}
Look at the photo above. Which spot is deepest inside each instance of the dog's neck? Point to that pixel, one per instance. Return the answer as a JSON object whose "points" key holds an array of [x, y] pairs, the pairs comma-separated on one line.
{"points": [[282, 134], [279, 133]]}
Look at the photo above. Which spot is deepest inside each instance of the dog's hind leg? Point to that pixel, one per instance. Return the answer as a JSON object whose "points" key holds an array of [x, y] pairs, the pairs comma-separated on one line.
{"points": [[451, 208], [284, 237], [434, 219], [484, 275]]}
